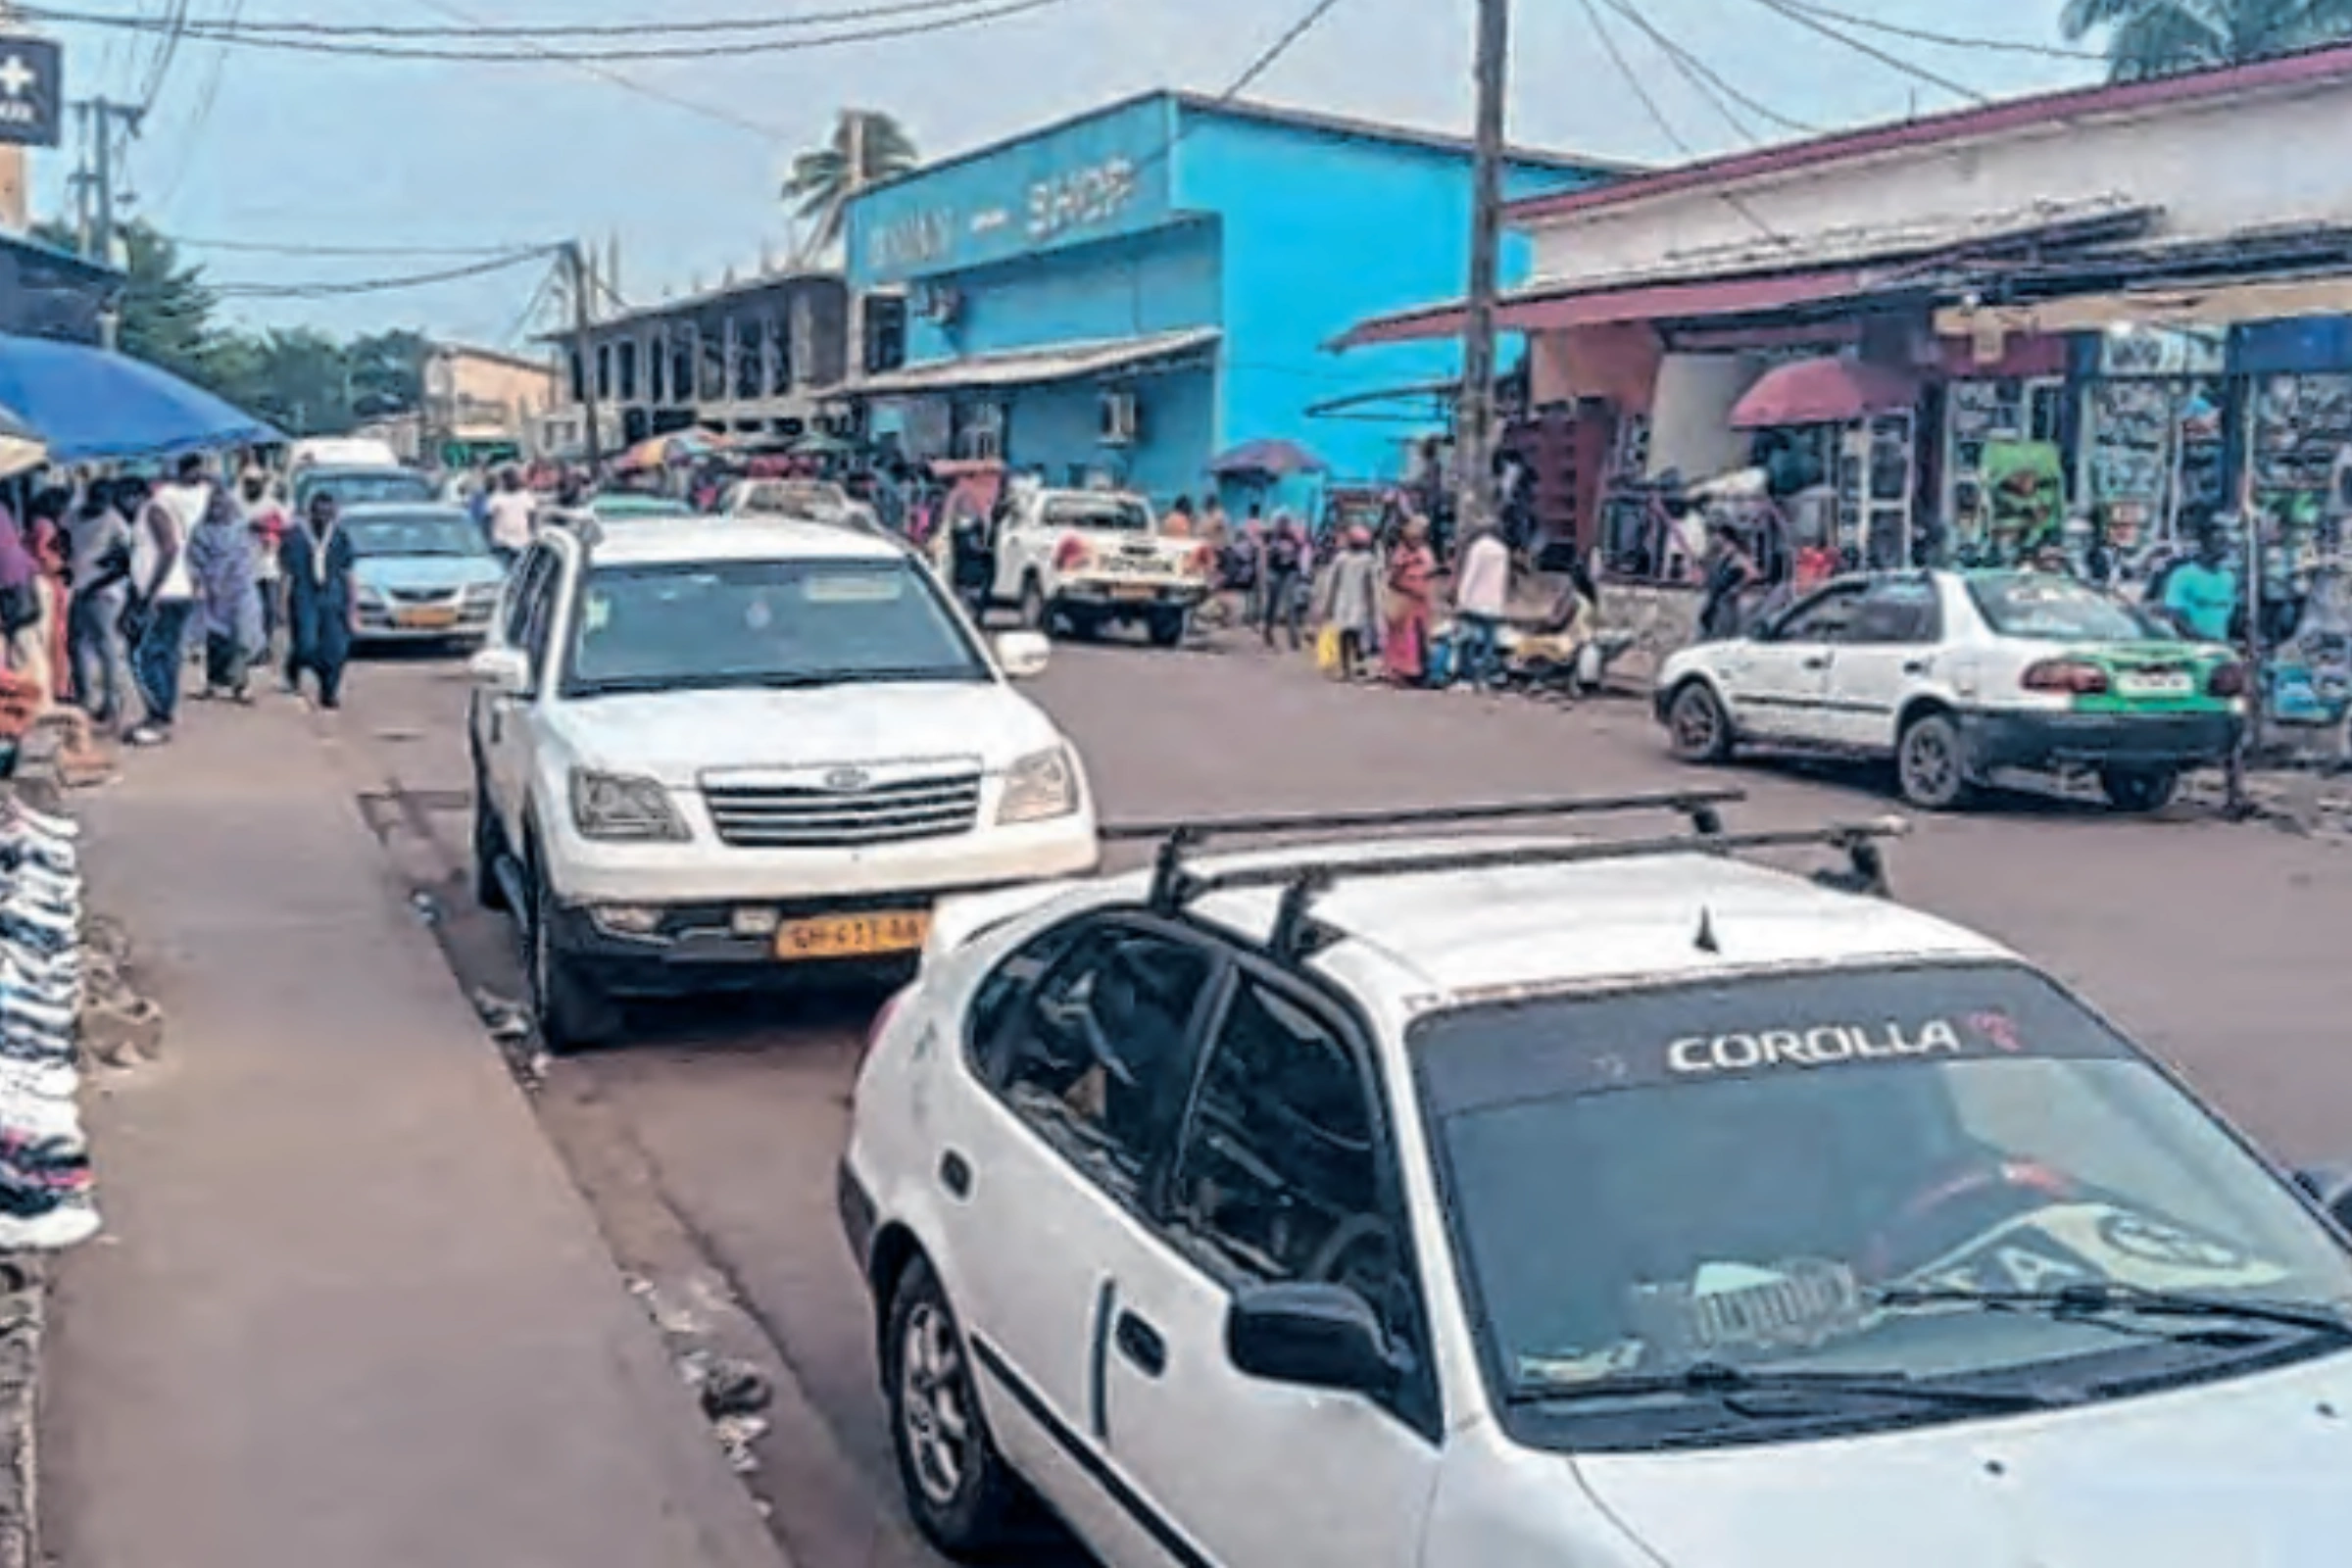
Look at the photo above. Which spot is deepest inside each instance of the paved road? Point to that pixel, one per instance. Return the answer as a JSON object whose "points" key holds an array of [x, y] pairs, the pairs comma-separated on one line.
{"points": [[2222, 947]]}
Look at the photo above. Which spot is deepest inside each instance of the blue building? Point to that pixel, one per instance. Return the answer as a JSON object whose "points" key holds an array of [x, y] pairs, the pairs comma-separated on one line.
{"points": [[1122, 295]]}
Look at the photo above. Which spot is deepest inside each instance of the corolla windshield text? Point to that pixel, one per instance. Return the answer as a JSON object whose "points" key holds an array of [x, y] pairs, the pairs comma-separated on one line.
{"points": [[1915, 1175]]}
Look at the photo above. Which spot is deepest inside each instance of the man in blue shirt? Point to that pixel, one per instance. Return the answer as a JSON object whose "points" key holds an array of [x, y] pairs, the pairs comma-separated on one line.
{"points": [[2201, 595]]}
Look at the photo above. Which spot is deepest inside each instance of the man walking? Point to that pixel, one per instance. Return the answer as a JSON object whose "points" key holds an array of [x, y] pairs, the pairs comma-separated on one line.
{"points": [[162, 593], [98, 561], [1482, 597], [319, 560], [510, 517]]}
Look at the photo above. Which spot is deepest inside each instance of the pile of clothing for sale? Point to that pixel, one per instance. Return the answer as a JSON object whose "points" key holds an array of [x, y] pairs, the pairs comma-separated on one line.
{"points": [[45, 1183]]}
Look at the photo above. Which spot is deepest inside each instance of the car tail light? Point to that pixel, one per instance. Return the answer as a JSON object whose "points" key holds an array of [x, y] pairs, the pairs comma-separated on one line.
{"points": [[1201, 562], [2227, 680], [2072, 677], [1071, 554]]}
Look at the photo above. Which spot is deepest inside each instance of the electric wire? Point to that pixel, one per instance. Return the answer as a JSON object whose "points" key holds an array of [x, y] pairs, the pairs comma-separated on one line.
{"points": [[560, 30], [276, 248], [1699, 74], [1896, 62], [193, 131], [1262, 62], [373, 285], [1948, 40], [522, 55]]}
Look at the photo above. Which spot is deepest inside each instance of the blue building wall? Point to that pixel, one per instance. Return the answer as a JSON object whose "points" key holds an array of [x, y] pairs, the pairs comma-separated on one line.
{"points": [[1161, 213], [1322, 231]]}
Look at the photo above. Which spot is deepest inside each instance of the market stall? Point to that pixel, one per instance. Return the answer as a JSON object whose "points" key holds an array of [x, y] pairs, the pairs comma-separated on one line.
{"points": [[2155, 429]]}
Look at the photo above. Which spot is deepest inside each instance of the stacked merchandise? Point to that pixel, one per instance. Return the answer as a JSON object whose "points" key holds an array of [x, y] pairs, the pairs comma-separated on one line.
{"points": [[45, 1200]]}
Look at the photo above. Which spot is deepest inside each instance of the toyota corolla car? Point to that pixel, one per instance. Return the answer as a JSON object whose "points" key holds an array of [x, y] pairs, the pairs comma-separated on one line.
{"points": [[1573, 1204], [424, 573]]}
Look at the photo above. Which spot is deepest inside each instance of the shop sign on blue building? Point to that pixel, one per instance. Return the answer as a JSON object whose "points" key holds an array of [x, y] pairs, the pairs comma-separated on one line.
{"points": [[1094, 180]]}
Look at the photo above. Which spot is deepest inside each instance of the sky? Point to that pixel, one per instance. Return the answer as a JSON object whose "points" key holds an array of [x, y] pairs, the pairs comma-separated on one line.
{"points": [[311, 150]]}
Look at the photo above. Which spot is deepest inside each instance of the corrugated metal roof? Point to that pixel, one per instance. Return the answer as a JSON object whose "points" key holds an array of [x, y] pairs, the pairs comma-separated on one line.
{"points": [[1059, 361]]}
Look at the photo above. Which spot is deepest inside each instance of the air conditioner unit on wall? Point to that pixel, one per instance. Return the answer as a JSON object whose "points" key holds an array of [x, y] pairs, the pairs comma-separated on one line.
{"points": [[1119, 419]]}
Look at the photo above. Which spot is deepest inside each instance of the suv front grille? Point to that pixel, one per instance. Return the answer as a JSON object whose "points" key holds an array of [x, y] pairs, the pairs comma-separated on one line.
{"points": [[791, 818]]}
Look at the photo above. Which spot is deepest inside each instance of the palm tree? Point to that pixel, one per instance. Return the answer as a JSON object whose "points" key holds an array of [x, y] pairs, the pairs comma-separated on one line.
{"points": [[821, 181], [2161, 37]]}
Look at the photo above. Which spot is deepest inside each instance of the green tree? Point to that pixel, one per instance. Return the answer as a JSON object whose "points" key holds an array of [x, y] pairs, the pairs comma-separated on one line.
{"points": [[2162, 38], [167, 310], [387, 373], [820, 180]]}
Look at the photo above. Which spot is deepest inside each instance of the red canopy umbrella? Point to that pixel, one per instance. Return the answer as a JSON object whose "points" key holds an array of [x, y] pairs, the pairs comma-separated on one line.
{"points": [[1824, 391]]}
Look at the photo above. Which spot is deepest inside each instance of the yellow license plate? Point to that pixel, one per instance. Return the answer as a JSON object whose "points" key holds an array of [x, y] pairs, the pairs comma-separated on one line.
{"points": [[1134, 590], [429, 615], [853, 936]]}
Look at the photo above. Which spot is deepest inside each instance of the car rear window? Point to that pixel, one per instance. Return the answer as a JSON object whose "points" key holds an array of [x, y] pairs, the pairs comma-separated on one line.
{"points": [[2055, 608]]}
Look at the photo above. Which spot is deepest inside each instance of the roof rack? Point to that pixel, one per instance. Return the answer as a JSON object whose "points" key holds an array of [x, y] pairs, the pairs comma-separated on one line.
{"points": [[1172, 886]]}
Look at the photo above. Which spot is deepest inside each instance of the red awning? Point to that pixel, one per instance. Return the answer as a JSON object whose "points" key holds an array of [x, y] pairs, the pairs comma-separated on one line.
{"points": [[1695, 299], [1825, 391]]}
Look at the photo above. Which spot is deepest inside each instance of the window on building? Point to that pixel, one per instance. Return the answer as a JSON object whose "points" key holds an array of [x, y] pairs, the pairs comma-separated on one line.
{"points": [[751, 348], [710, 379], [657, 367], [579, 380], [628, 370], [885, 334], [604, 369], [780, 356], [683, 354], [979, 432]]}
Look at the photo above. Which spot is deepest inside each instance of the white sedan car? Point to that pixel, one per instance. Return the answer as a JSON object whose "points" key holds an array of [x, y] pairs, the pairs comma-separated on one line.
{"points": [[1553, 1205], [1957, 675]]}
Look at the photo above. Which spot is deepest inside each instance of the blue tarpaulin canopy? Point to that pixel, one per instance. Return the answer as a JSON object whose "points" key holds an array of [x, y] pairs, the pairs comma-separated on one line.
{"points": [[91, 403]]}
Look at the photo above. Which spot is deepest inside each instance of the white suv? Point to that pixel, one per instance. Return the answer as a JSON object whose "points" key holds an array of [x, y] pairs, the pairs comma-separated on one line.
{"points": [[712, 753], [1573, 1204]]}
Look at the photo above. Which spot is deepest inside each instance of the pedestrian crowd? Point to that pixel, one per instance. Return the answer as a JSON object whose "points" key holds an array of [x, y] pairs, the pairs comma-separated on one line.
{"points": [[112, 589]]}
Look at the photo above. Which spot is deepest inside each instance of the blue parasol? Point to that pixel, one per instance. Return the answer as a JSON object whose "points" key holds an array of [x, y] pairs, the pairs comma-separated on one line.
{"points": [[91, 403], [1274, 458]]}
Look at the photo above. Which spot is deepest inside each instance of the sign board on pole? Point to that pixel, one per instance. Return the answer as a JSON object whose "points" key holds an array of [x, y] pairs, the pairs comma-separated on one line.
{"points": [[32, 91]]}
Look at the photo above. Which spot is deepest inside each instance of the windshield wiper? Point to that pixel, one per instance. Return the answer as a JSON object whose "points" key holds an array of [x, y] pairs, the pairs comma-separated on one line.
{"points": [[1705, 1379], [2091, 1298]]}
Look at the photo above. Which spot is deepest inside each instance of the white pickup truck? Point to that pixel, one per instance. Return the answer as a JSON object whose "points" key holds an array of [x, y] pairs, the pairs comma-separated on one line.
{"points": [[1083, 559]]}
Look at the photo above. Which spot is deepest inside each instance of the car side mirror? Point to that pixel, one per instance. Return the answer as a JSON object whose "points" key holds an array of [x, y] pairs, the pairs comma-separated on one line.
{"points": [[1023, 654], [1314, 1336], [2330, 1186], [501, 671]]}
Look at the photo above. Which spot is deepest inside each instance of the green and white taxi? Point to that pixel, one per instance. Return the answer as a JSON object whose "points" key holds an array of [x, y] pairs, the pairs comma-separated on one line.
{"points": [[1957, 675]]}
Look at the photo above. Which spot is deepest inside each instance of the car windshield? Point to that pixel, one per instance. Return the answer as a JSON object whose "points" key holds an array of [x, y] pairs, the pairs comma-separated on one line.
{"points": [[2046, 606], [1736, 1174], [779, 624], [1118, 513], [363, 488], [414, 536]]}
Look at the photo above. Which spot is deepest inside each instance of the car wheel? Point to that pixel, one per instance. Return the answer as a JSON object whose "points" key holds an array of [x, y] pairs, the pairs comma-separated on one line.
{"points": [[1931, 761], [1167, 628], [1034, 608], [489, 848], [1696, 726], [2139, 789], [1083, 625], [567, 1007], [958, 1486]]}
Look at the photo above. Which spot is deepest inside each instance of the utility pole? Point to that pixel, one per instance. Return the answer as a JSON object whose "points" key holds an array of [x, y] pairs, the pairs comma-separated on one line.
{"points": [[99, 116], [855, 130], [1474, 419], [575, 263]]}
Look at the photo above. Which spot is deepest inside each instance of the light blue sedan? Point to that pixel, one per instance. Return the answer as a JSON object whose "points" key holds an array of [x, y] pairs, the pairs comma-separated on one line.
{"points": [[425, 574]]}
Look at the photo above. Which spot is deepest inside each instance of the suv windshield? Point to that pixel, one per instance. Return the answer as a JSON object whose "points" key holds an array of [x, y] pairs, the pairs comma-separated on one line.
{"points": [[2043, 605], [1736, 1175], [1118, 513], [362, 486], [414, 536], [717, 623]]}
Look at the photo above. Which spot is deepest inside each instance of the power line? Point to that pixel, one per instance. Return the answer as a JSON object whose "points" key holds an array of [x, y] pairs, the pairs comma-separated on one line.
{"points": [[1708, 81], [374, 285], [1864, 46], [212, 33], [587, 29], [173, 25], [273, 248], [206, 97], [1258, 67], [715, 112], [1948, 40]]}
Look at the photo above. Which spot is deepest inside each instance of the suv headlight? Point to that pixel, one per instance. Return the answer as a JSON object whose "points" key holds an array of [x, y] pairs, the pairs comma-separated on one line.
{"points": [[620, 807], [1042, 785]]}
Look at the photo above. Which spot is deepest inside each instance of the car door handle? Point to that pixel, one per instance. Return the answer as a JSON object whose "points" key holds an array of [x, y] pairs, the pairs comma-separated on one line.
{"points": [[1917, 666], [955, 1174], [1140, 1342], [1817, 662]]}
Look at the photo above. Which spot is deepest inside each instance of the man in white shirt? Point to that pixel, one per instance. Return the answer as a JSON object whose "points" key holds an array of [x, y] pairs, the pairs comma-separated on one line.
{"points": [[1482, 596], [163, 594], [511, 517]]}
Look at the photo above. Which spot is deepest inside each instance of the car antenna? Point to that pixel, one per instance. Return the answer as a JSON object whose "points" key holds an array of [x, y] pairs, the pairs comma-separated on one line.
{"points": [[1705, 941]]}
